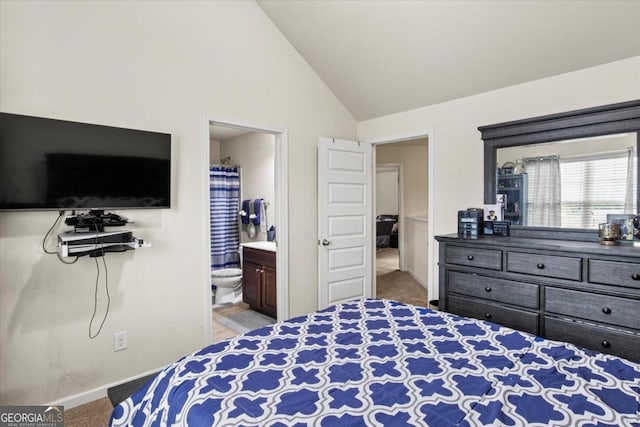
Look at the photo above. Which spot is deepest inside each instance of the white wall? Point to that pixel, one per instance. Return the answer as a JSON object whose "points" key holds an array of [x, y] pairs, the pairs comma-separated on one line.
{"points": [[387, 196], [255, 153], [214, 152], [414, 160], [158, 66], [567, 148], [458, 149], [417, 249]]}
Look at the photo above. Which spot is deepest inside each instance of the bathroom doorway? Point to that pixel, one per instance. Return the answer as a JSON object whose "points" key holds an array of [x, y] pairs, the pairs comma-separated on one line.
{"points": [[255, 156]]}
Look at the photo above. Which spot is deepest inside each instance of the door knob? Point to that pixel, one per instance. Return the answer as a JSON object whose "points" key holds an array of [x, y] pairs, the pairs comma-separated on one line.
{"points": [[325, 242]]}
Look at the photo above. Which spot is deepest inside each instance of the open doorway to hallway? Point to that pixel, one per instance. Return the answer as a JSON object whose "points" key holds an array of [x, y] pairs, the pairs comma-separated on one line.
{"points": [[401, 188]]}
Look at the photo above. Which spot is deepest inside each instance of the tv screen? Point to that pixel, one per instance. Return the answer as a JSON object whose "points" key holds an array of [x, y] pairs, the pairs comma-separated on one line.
{"points": [[48, 164]]}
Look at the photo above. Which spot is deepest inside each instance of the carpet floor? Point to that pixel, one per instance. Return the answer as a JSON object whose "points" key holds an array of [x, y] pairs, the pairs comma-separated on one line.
{"points": [[92, 414], [391, 283]]}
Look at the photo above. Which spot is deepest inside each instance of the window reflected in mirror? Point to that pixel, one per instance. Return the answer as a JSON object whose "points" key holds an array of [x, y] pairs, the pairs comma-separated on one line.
{"points": [[574, 183]]}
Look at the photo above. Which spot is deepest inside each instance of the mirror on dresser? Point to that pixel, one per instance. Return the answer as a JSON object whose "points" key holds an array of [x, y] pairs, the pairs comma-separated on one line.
{"points": [[563, 173]]}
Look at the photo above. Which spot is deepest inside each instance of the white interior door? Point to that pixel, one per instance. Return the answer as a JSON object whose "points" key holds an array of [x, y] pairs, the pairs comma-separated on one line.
{"points": [[345, 207]]}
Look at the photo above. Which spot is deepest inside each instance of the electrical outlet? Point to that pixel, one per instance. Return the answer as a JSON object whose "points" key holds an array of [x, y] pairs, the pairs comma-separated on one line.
{"points": [[120, 341]]}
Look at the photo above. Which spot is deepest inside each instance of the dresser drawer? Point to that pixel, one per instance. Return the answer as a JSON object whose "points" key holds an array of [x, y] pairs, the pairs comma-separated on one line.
{"points": [[601, 308], [474, 257], [490, 288], [559, 267], [614, 273], [514, 318], [594, 337]]}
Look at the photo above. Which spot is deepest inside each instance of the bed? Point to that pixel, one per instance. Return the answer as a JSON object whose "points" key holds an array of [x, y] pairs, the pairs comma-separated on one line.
{"points": [[378, 362], [387, 231]]}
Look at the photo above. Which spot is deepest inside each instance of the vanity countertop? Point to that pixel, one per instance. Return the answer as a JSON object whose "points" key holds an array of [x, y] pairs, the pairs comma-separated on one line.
{"points": [[265, 246]]}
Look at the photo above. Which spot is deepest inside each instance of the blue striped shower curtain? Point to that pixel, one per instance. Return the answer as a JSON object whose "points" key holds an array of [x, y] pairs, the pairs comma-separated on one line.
{"points": [[224, 201]]}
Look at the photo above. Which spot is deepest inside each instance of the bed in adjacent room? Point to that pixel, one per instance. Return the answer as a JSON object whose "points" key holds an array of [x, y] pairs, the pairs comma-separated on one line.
{"points": [[387, 231], [383, 363]]}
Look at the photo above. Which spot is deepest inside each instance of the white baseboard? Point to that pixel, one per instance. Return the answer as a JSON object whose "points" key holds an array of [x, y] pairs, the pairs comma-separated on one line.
{"points": [[81, 398], [94, 394], [417, 279]]}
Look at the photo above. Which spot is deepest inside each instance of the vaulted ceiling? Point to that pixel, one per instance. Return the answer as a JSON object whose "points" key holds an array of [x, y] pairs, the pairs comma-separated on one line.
{"points": [[381, 57]]}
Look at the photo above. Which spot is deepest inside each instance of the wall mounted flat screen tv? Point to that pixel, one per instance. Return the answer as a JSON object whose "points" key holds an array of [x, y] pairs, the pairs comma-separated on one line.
{"points": [[48, 164]]}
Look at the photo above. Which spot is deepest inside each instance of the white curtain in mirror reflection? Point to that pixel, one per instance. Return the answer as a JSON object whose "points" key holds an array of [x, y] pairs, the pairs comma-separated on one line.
{"points": [[544, 204], [580, 191]]}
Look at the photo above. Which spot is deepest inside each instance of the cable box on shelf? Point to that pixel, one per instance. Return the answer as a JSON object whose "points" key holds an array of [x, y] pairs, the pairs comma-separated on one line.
{"points": [[96, 243]]}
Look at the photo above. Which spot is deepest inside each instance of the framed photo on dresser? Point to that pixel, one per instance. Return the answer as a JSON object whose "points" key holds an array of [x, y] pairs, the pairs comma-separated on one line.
{"points": [[493, 212]]}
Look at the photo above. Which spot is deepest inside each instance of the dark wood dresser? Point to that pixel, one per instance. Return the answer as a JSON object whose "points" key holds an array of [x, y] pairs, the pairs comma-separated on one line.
{"points": [[581, 292]]}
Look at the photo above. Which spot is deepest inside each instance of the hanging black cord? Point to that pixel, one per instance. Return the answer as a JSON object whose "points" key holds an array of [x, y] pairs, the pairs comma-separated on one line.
{"points": [[95, 295], [46, 236]]}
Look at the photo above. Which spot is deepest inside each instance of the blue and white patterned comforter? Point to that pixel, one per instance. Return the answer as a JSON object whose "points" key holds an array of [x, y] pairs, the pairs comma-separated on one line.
{"points": [[383, 363]]}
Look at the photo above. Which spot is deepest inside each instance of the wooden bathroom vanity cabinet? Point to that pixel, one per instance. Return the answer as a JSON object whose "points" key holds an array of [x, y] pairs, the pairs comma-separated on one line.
{"points": [[259, 280]]}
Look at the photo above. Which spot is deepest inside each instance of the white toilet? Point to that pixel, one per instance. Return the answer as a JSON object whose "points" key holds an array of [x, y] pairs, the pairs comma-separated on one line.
{"points": [[228, 285]]}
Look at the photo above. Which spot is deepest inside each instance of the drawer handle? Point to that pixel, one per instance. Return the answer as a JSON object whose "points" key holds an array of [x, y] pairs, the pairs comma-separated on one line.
{"points": [[470, 257], [606, 310], [635, 276], [487, 315], [540, 266], [606, 344], [487, 288]]}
